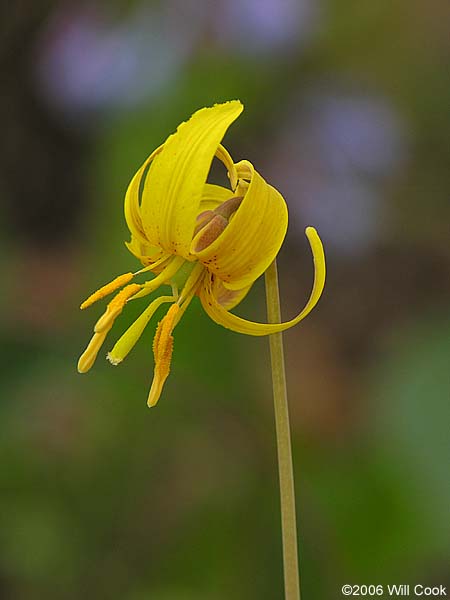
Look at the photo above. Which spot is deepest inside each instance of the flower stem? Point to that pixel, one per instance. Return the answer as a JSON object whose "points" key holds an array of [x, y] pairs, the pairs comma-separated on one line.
{"points": [[283, 434]]}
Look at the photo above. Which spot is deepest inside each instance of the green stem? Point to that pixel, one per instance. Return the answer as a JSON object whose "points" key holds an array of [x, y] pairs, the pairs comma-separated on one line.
{"points": [[283, 434]]}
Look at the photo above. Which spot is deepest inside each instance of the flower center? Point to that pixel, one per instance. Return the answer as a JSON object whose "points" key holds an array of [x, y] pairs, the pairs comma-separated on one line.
{"points": [[211, 223]]}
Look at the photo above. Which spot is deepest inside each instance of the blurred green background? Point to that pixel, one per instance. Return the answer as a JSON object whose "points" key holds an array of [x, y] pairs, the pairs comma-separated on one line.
{"points": [[346, 113]]}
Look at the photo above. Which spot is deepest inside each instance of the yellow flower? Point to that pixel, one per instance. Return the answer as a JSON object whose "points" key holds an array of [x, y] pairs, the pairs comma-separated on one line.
{"points": [[199, 238]]}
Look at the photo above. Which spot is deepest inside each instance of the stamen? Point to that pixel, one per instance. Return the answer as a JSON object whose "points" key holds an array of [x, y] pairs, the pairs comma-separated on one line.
{"points": [[166, 274], [115, 307], [191, 287], [162, 351], [110, 287], [88, 357], [153, 265], [103, 326]]}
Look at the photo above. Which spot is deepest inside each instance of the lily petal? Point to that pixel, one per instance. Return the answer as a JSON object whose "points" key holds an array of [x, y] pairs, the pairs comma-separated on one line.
{"points": [[228, 299], [174, 184], [252, 238], [143, 251], [213, 195], [132, 201], [221, 316], [224, 156]]}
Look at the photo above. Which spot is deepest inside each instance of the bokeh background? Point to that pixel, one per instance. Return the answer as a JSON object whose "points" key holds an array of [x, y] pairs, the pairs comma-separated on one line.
{"points": [[346, 112]]}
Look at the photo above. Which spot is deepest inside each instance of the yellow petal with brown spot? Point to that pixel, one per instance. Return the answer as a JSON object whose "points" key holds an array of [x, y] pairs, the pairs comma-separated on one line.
{"points": [[252, 238]]}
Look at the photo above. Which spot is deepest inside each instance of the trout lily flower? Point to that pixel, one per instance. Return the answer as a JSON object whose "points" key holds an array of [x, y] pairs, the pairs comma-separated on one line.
{"points": [[198, 238]]}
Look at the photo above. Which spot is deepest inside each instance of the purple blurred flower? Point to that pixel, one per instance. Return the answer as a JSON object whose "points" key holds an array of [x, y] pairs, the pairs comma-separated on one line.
{"points": [[264, 26], [87, 62], [333, 158]]}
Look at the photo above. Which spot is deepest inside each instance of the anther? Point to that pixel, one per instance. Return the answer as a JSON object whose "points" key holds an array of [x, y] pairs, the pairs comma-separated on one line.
{"points": [[103, 326], [162, 351], [88, 357], [110, 287], [115, 307]]}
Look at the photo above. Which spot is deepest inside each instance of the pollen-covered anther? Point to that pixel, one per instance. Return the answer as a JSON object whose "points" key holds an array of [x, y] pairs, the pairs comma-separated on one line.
{"points": [[162, 351], [115, 307], [110, 287]]}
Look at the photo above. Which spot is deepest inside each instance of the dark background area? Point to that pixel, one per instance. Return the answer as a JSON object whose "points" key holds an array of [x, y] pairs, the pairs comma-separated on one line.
{"points": [[346, 113]]}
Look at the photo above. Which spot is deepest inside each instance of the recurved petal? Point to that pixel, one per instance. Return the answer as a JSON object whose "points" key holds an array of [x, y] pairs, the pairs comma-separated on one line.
{"points": [[220, 315], [132, 201], [224, 156], [252, 238], [174, 184]]}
